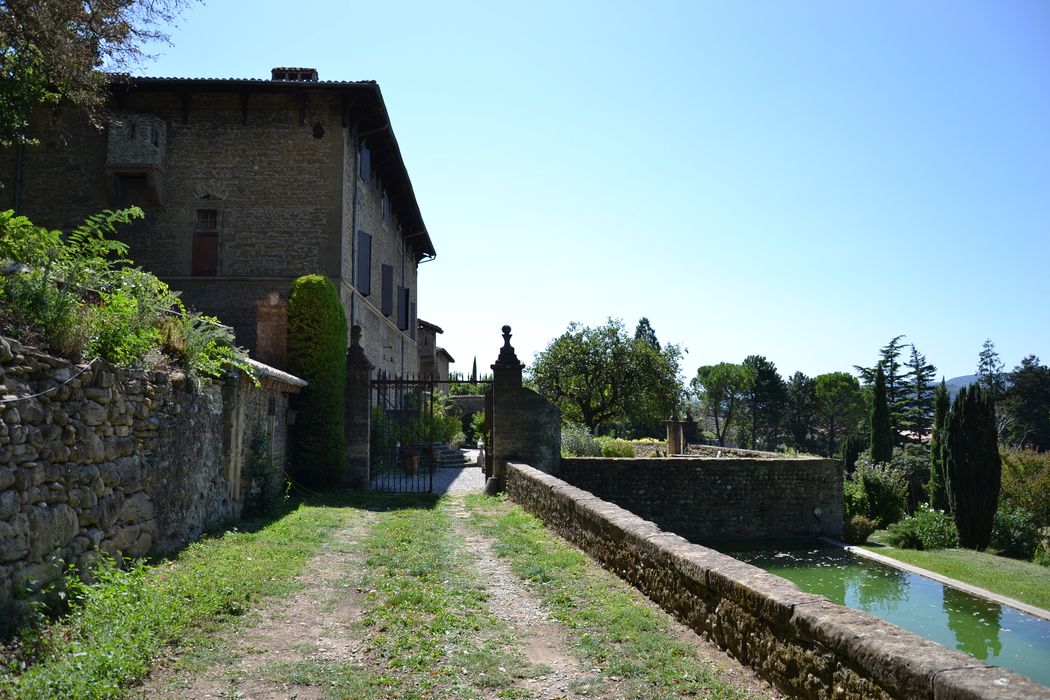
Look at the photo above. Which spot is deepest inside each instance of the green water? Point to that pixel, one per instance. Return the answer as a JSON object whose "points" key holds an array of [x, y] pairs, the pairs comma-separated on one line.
{"points": [[997, 634]]}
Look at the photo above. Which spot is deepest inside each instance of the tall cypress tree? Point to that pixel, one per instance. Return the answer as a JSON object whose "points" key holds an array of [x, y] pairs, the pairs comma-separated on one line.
{"points": [[881, 443], [972, 465], [936, 486]]}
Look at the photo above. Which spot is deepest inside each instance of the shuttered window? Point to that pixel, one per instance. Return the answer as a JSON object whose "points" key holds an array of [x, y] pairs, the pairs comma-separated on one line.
{"points": [[365, 161], [364, 263], [402, 308], [388, 290]]}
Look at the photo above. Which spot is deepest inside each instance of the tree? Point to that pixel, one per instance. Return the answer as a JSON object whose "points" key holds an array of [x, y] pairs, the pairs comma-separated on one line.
{"points": [[839, 406], [317, 353], [644, 331], [896, 394], [800, 411], [972, 465], [990, 371], [918, 407], [722, 388], [764, 402], [936, 487], [1027, 404], [50, 51], [606, 380], [880, 443]]}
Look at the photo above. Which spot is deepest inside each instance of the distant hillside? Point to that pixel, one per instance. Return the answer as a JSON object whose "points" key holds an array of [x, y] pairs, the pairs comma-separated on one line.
{"points": [[957, 383]]}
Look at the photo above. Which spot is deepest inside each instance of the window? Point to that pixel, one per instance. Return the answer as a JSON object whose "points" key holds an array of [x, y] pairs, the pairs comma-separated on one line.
{"points": [[132, 190], [402, 308], [364, 263], [205, 261], [388, 290], [364, 159], [412, 324]]}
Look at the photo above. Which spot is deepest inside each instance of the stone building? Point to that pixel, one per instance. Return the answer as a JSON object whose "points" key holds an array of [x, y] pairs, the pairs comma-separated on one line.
{"points": [[433, 360], [246, 185]]}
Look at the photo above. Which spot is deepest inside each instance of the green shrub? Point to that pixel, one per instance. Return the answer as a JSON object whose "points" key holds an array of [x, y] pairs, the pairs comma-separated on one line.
{"points": [[123, 332], [877, 491], [79, 295], [1026, 482], [577, 441], [857, 529], [1014, 532], [1042, 553], [913, 463], [317, 353], [615, 447], [926, 529]]}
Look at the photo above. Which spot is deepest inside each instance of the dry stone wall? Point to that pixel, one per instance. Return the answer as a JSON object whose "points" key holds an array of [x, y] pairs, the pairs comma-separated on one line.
{"points": [[711, 499], [99, 459], [803, 643]]}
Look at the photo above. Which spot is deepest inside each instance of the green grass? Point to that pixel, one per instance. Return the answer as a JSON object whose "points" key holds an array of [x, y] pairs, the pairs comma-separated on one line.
{"points": [[119, 623], [615, 631], [1021, 580], [426, 611], [334, 679]]}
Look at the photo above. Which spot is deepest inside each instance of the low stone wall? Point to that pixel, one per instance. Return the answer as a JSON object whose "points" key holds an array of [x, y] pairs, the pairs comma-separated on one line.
{"points": [[802, 643], [705, 499], [96, 458]]}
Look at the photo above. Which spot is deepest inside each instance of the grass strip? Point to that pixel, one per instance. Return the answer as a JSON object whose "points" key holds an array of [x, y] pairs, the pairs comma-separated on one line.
{"points": [[118, 623], [1021, 580], [426, 610], [614, 629]]}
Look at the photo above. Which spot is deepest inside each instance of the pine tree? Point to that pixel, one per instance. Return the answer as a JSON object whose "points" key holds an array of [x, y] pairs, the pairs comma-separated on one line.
{"points": [[880, 445], [972, 465], [896, 391], [990, 368], [919, 389], [936, 486]]}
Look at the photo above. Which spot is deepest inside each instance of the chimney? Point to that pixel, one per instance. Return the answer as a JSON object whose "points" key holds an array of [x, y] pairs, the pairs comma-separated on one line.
{"points": [[298, 75]]}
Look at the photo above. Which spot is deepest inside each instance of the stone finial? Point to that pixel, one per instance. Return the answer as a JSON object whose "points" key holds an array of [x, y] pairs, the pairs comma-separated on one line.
{"points": [[507, 356], [355, 353]]}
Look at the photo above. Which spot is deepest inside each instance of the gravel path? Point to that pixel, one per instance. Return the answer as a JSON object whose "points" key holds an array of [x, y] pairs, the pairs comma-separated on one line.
{"points": [[468, 479]]}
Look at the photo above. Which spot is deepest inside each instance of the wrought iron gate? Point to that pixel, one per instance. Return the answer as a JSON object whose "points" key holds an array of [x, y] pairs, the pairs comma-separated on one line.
{"points": [[402, 445]]}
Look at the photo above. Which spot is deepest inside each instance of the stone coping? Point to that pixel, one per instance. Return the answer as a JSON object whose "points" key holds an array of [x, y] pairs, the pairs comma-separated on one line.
{"points": [[939, 578], [803, 643]]}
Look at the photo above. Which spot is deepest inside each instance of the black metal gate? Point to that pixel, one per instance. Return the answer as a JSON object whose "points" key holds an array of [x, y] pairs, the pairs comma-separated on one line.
{"points": [[402, 445]]}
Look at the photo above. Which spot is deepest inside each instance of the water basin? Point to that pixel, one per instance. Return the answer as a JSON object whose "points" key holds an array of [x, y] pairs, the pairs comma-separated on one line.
{"points": [[997, 634]]}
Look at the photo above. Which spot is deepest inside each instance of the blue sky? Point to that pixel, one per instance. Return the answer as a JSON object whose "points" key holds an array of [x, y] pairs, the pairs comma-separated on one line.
{"points": [[798, 180]]}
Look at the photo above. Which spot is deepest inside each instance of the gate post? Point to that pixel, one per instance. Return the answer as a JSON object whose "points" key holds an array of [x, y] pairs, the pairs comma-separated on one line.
{"points": [[525, 426], [358, 407]]}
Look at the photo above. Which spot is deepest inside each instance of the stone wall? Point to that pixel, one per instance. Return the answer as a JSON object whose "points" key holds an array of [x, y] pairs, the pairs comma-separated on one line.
{"points": [[710, 499], [802, 643], [96, 458]]}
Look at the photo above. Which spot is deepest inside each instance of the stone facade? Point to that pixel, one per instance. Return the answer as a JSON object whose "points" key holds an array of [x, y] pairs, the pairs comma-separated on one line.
{"points": [[96, 458], [804, 644], [705, 499], [433, 360], [246, 185]]}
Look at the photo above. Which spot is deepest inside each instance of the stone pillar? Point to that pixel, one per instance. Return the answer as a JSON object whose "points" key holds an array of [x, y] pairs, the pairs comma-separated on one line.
{"points": [[358, 406], [271, 331], [525, 426], [674, 436]]}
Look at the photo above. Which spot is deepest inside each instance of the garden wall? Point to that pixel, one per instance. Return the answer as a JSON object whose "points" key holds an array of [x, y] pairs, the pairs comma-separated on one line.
{"points": [[802, 643], [96, 458], [705, 499]]}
